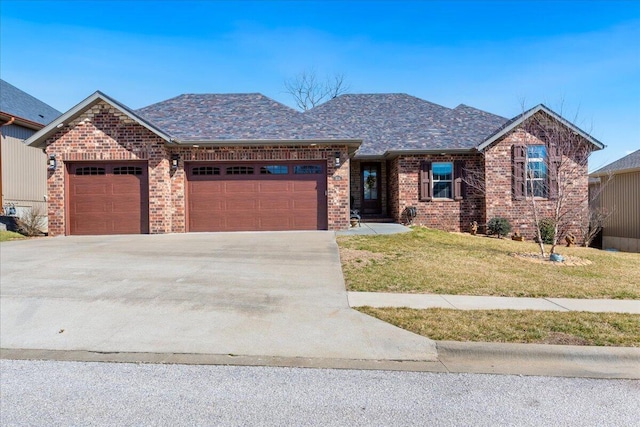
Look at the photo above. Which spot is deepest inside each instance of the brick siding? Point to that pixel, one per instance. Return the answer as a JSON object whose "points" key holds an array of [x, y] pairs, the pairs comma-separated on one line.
{"points": [[499, 197], [443, 214], [102, 133]]}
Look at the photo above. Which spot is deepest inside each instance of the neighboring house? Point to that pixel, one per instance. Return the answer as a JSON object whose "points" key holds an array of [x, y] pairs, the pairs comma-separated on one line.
{"points": [[245, 162], [24, 174], [620, 196]]}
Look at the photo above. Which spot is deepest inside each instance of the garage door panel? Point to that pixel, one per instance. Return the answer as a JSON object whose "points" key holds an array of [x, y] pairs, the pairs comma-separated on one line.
{"points": [[239, 187], [275, 187], [90, 207], [240, 205], [126, 188], [302, 186], [305, 204], [126, 207], [282, 204], [199, 205], [91, 188], [90, 226], [108, 198], [276, 201], [204, 187], [302, 222], [242, 222]]}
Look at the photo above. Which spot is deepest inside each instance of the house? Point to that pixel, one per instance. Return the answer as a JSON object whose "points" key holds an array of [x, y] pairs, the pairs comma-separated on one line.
{"points": [[231, 162], [23, 179], [620, 198]]}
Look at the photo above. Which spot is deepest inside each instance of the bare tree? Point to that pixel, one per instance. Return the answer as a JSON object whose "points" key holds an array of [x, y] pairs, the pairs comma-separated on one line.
{"points": [[557, 173], [308, 90], [594, 218]]}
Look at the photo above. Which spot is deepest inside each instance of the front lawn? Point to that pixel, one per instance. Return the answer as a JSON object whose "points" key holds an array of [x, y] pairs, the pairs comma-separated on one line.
{"points": [[433, 261], [511, 326]]}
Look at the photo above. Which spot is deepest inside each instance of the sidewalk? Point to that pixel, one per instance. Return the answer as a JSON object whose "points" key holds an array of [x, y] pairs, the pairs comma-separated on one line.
{"points": [[466, 302]]}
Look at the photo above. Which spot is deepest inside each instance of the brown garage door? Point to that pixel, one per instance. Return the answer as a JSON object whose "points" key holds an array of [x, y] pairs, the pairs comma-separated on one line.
{"points": [[108, 198], [257, 196]]}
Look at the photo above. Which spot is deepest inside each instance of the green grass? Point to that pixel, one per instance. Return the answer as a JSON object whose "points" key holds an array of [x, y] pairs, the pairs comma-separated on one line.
{"points": [[511, 326], [433, 261], [9, 235]]}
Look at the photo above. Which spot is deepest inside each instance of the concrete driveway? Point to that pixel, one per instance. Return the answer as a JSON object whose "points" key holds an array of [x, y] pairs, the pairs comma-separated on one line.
{"points": [[257, 294]]}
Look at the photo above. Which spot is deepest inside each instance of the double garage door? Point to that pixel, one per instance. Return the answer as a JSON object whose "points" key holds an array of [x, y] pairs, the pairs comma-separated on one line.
{"points": [[113, 198], [256, 196]]}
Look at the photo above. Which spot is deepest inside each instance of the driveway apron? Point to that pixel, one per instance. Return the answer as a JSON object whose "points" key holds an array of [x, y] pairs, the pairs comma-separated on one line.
{"points": [[258, 294]]}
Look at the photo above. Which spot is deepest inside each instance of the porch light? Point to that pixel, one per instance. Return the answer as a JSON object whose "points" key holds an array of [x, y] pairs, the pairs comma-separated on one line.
{"points": [[51, 164], [174, 161], [337, 157]]}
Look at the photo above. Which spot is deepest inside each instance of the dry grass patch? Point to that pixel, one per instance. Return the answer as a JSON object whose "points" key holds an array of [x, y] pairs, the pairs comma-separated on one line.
{"points": [[10, 235], [511, 326], [433, 261]]}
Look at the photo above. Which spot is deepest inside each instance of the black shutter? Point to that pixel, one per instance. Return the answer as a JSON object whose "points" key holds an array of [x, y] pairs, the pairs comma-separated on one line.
{"points": [[425, 181], [555, 157], [519, 170], [459, 187]]}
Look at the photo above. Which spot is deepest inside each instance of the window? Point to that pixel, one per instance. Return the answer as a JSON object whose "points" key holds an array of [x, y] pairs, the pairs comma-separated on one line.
{"points": [[205, 170], [307, 169], [274, 170], [240, 170], [127, 170], [90, 170], [536, 171], [442, 180]]}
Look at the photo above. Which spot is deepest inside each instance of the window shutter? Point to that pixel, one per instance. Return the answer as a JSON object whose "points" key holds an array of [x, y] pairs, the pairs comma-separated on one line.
{"points": [[554, 164], [519, 170], [459, 187], [425, 181]]}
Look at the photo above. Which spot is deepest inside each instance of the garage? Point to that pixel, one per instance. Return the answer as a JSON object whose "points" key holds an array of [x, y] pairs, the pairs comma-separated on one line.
{"points": [[256, 196], [108, 198]]}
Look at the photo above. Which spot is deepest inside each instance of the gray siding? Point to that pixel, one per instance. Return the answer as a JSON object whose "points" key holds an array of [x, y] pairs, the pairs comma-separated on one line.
{"points": [[622, 196], [24, 169]]}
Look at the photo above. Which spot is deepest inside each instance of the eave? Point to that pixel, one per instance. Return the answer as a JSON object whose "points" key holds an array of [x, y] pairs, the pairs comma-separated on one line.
{"points": [[6, 117], [352, 144]]}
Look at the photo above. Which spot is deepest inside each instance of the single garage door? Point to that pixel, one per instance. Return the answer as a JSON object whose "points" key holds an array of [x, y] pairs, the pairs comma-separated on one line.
{"points": [[257, 196], [108, 198]]}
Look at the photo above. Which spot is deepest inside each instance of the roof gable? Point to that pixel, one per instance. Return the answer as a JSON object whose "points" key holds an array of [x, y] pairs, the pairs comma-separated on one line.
{"points": [[400, 122], [39, 138], [192, 118], [521, 118], [17, 103], [627, 163]]}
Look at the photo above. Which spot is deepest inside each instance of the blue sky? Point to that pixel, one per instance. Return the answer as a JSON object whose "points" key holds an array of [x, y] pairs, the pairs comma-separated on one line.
{"points": [[580, 58]]}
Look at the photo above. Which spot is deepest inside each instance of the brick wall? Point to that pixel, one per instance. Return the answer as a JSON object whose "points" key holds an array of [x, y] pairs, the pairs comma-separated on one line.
{"points": [[499, 196], [102, 133], [337, 178], [443, 214]]}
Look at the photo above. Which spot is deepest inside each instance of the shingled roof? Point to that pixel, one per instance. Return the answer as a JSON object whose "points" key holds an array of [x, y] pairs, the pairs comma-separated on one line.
{"points": [[17, 103], [627, 163], [235, 117], [397, 121]]}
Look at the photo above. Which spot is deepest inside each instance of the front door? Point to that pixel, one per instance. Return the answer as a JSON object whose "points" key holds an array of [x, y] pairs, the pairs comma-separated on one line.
{"points": [[371, 188]]}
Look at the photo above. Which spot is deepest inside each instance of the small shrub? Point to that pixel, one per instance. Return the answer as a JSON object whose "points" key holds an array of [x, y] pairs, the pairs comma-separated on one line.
{"points": [[498, 226], [32, 221], [547, 228]]}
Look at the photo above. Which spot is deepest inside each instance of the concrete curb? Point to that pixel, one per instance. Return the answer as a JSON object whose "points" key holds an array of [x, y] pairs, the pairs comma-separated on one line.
{"points": [[540, 359], [453, 357]]}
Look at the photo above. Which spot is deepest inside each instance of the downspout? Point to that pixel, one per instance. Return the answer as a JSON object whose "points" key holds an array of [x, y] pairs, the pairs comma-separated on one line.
{"points": [[11, 120]]}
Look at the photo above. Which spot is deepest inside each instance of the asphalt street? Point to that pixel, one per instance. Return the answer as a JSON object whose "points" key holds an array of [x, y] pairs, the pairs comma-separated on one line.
{"points": [[80, 393]]}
